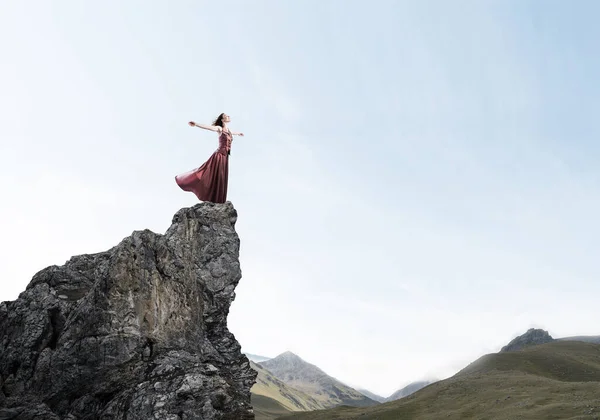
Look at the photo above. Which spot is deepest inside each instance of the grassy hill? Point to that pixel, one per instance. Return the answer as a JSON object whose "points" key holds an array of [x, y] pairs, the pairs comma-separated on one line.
{"points": [[557, 380], [266, 408]]}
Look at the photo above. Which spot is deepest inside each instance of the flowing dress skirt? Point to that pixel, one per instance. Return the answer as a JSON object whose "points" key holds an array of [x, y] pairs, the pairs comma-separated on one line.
{"points": [[209, 181]]}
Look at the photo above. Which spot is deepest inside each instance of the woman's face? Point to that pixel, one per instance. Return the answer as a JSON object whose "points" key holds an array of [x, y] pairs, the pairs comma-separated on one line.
{"points": [[226, 118]]}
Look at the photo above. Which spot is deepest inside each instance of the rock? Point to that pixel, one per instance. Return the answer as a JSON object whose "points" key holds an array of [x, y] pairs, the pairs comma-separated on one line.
{"points": [[532, 337], [136, 332]]}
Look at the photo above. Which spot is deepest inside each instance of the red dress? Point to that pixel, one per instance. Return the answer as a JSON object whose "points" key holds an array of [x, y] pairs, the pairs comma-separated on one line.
{"points": [[209, 181]]}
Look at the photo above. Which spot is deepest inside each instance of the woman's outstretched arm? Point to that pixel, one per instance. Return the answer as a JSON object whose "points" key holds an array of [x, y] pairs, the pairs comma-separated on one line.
{"points": [[206, 127], [237, 133]]}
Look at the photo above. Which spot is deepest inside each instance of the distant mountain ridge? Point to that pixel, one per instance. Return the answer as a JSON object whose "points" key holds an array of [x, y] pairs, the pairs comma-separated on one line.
{"points": [[408, 390], [256, 358], [595, 339], [534, 383], [371, 395], [535, 337], [298, 386], [306, 377], [292, 399]]}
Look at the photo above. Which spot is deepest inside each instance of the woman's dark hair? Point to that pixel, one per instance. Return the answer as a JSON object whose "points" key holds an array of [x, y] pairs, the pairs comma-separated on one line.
{"points": [[219, 120]]}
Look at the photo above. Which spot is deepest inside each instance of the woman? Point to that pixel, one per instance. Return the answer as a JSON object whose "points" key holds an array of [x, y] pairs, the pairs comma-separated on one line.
{"points": [[209, 181]]}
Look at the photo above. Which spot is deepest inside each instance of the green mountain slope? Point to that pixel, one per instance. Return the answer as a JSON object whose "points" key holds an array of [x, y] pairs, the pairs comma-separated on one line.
{"points": [[557, 380], [266, 408]]}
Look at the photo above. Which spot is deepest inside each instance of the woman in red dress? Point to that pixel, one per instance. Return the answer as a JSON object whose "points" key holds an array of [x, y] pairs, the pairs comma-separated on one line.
{"points": [[209, 181]]}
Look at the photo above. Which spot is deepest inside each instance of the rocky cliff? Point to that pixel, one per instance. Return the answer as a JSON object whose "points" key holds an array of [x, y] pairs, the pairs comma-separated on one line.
{"points": [[136, 332], [532, 337]]}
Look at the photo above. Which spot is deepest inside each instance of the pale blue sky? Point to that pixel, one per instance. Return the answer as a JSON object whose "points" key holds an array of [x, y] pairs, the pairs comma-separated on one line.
{"points": [[418, 183]]}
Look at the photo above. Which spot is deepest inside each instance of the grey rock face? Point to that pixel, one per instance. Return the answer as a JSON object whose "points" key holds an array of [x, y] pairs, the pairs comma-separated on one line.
{"points": [[532, 337], [136, 332]]}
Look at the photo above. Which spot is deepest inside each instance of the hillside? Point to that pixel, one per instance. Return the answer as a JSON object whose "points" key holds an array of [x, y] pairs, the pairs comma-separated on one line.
{"points": [[371, 395], [256, 358], [308, 378], [408, 390], [266, 408], [586, 338], [559, 380], [267, 385]]}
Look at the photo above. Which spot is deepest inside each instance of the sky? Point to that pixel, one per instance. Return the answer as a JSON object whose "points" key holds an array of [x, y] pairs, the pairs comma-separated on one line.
{"points": [[417, 185]]}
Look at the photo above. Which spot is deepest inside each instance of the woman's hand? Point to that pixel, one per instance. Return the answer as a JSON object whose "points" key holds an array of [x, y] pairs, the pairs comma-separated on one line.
{"points": [[241, 134], [192, 123]]}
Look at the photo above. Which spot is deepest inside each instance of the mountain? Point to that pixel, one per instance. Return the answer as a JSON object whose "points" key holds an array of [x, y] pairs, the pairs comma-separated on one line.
{"points": [[584, 338], [287, 396], [560, 379], [136, 332], [532, 337], [255, 358], [311, 380], [372, 396], [408, 390]]}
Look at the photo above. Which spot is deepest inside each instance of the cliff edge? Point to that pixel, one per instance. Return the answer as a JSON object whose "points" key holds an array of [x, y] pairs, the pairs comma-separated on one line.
{"points": [[136, 332]]}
